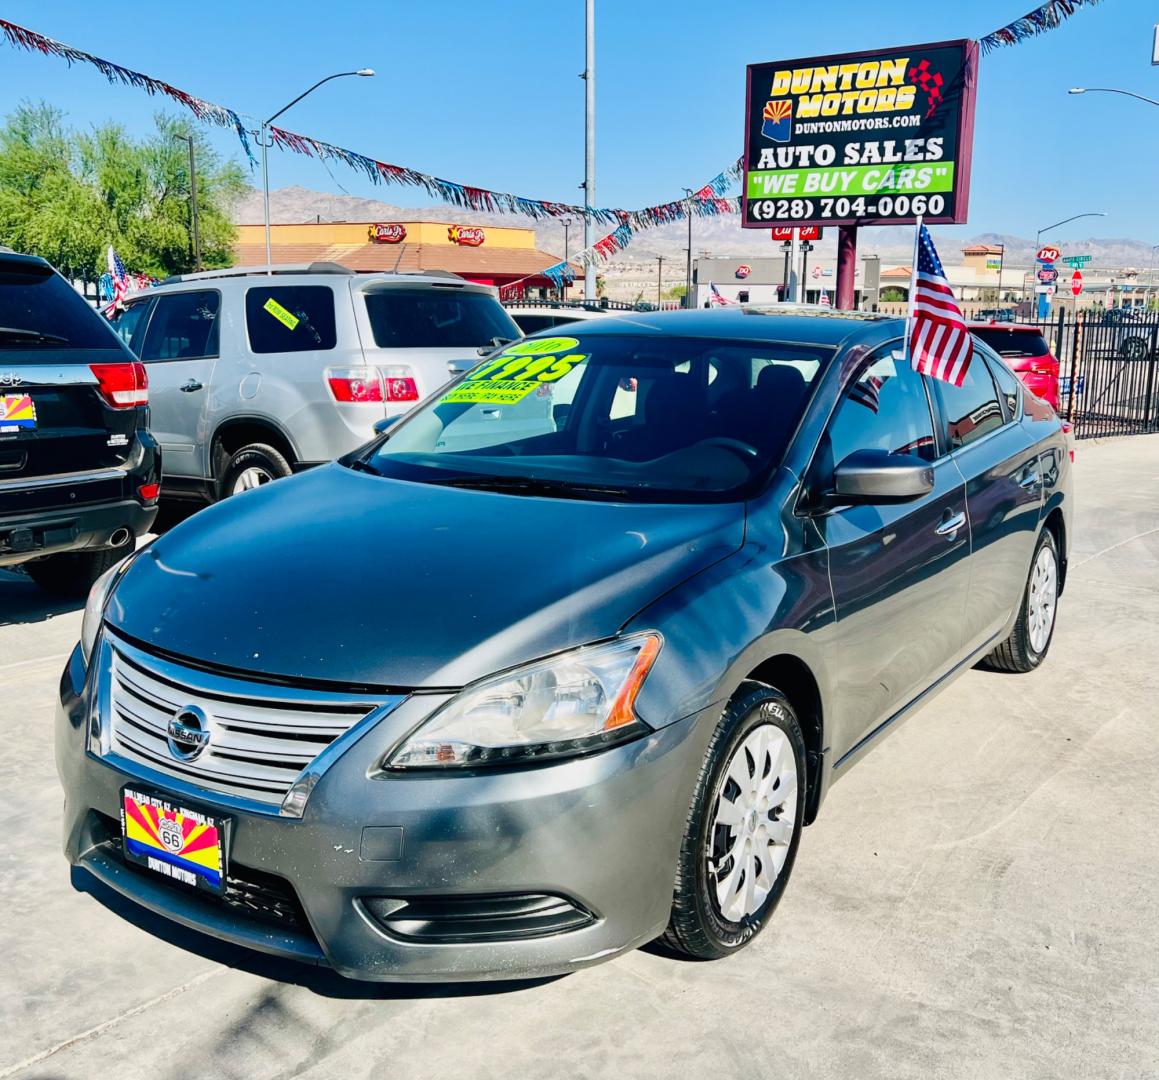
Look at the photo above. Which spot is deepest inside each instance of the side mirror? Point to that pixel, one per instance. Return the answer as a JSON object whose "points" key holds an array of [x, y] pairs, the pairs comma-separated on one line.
{"points": [[877, 476], [381, 425]]}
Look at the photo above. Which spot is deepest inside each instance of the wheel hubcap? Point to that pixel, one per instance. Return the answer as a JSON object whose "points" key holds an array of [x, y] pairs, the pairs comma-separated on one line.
{"points": [[1040, 603], [753, 822], [250, 478]]}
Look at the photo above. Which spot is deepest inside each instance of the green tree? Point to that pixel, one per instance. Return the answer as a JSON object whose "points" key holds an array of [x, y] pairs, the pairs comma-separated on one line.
{"points": [[892, 294], [67, 196]]}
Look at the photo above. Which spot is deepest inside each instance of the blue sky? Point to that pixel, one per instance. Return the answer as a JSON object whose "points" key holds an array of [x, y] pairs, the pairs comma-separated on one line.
{"points": [[487, 92]]}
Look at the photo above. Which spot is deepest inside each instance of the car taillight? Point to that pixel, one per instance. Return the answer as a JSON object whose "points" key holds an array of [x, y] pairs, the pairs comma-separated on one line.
{"points": [[355, 384], [1068, 431], [123, 386], [400, 383], [148, 493]]}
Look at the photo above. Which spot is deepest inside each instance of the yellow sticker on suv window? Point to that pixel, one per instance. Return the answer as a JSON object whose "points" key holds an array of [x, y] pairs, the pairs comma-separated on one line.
{"points": [[286, 317], [516, 372]]}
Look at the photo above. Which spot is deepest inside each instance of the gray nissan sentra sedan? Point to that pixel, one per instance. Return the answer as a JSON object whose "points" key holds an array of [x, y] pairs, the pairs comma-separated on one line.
{"points": [[565, 660]]}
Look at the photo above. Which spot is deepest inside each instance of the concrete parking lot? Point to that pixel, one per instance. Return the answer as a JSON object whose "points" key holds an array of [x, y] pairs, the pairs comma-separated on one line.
{"points": [[980, 898]]}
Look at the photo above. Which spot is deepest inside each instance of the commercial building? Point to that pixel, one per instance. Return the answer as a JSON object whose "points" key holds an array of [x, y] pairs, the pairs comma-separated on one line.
{"points": [[504, 257]]}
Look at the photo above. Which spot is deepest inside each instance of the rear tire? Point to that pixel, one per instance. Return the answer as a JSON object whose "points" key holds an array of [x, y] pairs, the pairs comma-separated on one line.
{"points": [[1029, 641], [252, 466], [743, 828], [72, 573]]}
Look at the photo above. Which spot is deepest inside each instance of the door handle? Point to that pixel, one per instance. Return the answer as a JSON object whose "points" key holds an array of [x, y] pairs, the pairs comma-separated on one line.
{"points": [[190, 386], [950, 525], [1030, 479]]}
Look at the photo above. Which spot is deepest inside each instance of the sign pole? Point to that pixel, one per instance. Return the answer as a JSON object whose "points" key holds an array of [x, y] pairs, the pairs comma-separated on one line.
{"points": [[806, 247], [846, 268]]}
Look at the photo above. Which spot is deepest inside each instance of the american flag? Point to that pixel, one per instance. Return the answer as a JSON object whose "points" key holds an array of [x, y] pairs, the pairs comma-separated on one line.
{"points": [[939, 343], [716, 297], [867, 391], [824, 298], [120, 282]]}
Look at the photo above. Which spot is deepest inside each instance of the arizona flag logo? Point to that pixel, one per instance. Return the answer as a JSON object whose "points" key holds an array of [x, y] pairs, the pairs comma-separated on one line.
{"points": [[173, 838], [16, 412], [778, 124]]}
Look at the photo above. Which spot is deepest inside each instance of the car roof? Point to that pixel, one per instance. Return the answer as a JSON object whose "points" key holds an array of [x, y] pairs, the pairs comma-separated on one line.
{"points": [[9, 256], [318, 273], [811, 324]]}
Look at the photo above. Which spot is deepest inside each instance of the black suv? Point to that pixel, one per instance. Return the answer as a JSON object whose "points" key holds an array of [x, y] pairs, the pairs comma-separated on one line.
{"points": [[79, 473]]}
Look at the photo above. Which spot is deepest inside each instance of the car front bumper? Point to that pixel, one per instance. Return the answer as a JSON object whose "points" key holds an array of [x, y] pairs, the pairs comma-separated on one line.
{"points": [[601, 832]]}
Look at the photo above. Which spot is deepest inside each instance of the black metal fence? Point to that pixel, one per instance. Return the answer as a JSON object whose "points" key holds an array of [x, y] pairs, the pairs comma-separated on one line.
{"points": [[1108, 360]]}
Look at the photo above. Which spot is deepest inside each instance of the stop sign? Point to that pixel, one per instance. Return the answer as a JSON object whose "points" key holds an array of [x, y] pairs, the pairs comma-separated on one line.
{"points": [[1076, 282]]}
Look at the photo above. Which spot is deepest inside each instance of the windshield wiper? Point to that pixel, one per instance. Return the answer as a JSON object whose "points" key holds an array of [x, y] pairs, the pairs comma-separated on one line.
{"points": [[359, 465], [532, 485], [32, 335]]}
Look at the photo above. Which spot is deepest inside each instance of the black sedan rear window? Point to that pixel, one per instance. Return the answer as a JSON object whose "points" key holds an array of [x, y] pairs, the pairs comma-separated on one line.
{"points": [[1013, 343], [40, 310]]}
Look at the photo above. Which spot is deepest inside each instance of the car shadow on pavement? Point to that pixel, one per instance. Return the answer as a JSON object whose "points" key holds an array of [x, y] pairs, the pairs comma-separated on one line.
{"points": [[23, 601], [318, 980]]}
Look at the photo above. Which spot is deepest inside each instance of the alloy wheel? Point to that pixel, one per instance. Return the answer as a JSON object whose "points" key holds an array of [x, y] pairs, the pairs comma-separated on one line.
{"points": [[250, 478], [753, 822], [1042, 598]]}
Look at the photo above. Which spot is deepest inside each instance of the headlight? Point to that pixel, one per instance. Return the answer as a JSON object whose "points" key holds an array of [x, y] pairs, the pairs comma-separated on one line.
{"points": [[580, 701], [98, 599]]}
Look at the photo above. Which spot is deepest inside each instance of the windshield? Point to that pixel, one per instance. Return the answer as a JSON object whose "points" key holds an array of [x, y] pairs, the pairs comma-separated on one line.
{"points": [[1013, 343], [607, 417], [437, 318]]}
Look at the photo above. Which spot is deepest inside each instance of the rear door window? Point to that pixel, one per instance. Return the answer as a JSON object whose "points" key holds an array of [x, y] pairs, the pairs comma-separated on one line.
{"points": [[40, 310], [183, 327], [970, 410], [130, 324], [437, 319], [1008, 386], [290, 318]]}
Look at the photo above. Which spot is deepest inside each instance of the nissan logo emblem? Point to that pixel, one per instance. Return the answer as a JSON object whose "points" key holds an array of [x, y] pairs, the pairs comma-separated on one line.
{"points": [[188, 733]]}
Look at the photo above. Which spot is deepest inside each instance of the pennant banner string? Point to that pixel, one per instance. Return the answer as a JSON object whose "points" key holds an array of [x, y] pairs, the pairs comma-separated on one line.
{"points": [[1050, 16], [205, 111]]}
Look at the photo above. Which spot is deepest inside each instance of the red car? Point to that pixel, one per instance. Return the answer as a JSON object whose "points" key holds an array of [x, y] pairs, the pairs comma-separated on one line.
{"points": [[1026, 351]]}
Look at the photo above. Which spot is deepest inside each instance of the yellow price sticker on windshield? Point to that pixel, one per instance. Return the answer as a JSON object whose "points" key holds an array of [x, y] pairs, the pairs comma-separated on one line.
{"points": [[516, 372], [287, 318]]}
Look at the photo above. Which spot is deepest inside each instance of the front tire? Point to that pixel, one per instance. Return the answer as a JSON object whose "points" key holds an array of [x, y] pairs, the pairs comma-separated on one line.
{"points": [[72, 573], [253, 466], [1029, 641], [743, 828]]}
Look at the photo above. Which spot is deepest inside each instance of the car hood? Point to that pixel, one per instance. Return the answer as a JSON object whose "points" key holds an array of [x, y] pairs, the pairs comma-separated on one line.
{"points": [[341, 576]]}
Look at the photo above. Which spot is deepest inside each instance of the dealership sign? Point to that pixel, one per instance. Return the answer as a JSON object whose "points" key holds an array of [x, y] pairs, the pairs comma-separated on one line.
{"points": [[392, 233], [873, 138], [468, 237]]}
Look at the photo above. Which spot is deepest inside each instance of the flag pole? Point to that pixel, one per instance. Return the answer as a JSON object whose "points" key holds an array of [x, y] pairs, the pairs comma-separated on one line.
{"points": [[913, 287]]}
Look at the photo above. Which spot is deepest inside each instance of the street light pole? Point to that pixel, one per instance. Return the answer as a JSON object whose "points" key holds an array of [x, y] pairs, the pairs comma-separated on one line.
{"points": [[589, 77], [659, 278], [566, 223], [265, 141], [193, 202], [1110, 90], [688, 267]]}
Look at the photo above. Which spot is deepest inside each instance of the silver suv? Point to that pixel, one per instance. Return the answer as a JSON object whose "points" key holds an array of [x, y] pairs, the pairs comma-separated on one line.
{"points": [[258, 372]]}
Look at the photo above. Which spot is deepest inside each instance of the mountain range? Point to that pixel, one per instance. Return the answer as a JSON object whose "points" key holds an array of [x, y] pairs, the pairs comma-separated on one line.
{"points": [[717, 236]]}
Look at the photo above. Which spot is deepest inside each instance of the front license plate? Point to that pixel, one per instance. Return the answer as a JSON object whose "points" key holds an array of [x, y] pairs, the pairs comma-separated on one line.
{"points": [[169, 839]]}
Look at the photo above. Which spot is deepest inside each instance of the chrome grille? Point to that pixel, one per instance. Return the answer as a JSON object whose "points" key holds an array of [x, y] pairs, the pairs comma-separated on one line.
{"points": [[261, 736]]}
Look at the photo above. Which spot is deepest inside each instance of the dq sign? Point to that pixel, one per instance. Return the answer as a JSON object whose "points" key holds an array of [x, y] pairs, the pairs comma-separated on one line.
{"points": [[1048, 254]]}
